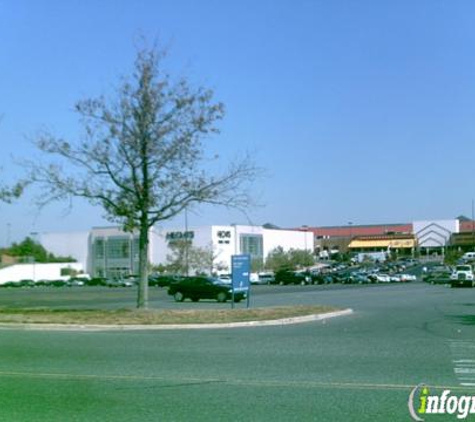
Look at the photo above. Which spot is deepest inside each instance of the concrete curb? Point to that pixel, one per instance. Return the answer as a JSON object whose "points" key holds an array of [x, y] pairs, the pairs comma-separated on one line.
{"points": [[244, 324]]}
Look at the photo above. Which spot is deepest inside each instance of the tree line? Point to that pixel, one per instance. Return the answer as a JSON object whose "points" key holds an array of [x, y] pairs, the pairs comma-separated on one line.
{"points": [[30, 251], [186, 259]]}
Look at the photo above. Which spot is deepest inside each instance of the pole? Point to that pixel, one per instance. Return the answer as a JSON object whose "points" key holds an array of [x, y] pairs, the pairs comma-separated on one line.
{"points": [[350, 224], [473, 228], [187, 269]]}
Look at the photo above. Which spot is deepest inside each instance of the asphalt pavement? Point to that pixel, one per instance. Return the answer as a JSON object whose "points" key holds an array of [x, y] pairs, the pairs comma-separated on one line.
{"points": [[354, 368]]}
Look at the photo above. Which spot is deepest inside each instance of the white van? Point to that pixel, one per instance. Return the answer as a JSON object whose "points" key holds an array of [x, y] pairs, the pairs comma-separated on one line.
{"points": [[468, 256]]}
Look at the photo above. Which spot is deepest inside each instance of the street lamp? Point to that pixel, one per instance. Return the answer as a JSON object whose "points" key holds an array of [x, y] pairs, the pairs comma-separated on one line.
{"points": [[305, 229], [350, 225], [187, 265]]}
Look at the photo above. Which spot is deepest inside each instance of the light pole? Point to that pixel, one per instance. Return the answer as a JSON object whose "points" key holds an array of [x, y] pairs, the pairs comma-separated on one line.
{"points": [[305, 229], [473, 229], [350, 225], [187, 269]]}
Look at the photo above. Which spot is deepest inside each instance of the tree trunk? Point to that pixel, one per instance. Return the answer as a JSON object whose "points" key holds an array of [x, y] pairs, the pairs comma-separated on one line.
{"points": [[142, 297]]}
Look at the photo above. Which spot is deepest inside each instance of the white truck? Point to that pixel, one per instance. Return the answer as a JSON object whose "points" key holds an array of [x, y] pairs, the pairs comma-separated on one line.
{"points": [[462, 276]]}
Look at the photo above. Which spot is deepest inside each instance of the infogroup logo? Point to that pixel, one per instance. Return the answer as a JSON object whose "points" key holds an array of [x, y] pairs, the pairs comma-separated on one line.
{"points": [[422, 402]]}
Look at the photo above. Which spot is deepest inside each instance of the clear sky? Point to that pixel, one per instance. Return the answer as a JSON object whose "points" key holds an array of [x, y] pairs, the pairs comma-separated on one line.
{"points": [[360, 111]]}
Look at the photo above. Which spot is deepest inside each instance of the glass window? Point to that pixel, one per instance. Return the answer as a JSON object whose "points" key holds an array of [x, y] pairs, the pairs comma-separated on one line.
{"points": [[135, 248], [252, 245], [118, 248], [99, 248]]}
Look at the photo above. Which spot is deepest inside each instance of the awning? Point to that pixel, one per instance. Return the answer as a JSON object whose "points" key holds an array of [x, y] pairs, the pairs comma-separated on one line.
{"points": [[382, 243]]}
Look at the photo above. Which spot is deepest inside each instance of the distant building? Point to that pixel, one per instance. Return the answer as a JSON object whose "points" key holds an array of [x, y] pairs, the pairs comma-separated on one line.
{"points": [[111, 252], [428, 236], [401, 244], [351, 230], [333, 239], [433, 236]]}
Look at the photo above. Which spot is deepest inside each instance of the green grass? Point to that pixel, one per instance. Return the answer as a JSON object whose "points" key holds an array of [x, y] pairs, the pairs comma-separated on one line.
{"points": [[43, 315]]}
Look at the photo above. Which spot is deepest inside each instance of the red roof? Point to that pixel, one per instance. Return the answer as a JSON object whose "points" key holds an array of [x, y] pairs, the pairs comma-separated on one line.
{"points": [[466, 226], [351, 230]]}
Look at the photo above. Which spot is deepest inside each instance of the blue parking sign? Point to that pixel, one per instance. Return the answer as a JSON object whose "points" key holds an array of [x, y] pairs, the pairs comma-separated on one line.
{"points": [[241, 273]]}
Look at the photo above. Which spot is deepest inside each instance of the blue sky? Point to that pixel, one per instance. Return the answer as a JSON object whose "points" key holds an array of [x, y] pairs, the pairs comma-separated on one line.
{"points": [[360, 111]]}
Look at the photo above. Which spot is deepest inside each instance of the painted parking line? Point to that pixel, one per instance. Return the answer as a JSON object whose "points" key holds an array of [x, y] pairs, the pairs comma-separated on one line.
{"points": [[235, 382], [463, 353]]}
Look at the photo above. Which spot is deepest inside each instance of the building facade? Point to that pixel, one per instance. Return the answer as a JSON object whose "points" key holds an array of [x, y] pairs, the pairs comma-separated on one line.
{"points": [[110, 252]]}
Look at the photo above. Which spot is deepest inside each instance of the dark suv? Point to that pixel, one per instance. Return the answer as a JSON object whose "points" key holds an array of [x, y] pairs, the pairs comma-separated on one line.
{"points": [[292, 277], [196, 288]]}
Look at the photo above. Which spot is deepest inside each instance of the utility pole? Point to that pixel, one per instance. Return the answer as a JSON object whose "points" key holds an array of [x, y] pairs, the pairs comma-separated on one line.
{"points": [[187, 270], [473, 228]]}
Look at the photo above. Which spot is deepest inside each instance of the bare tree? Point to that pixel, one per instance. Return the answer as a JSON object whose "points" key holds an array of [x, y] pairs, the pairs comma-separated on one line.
{"points": [[186, 258], [9, 193], [142, 158]]}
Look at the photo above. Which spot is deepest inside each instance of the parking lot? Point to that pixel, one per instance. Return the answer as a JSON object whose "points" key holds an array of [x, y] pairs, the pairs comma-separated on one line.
{"points": [[125, 297], [360, 367]]}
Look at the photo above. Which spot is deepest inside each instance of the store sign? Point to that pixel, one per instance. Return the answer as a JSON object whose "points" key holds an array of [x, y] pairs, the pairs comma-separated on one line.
{"points": [[171, 236], [224, 234]]}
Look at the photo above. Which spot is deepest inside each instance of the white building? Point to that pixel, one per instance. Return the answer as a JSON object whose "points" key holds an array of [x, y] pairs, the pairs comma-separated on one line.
{"points": [[39, 271], [435, 234], [110, 252]]}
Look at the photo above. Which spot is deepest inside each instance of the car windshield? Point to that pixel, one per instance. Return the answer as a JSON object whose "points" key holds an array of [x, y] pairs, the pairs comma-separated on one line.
{"points": [[464, 268]]}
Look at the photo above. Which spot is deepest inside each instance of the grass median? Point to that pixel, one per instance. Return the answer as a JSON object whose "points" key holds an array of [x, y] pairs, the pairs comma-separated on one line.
{"points": [[153, 317]]}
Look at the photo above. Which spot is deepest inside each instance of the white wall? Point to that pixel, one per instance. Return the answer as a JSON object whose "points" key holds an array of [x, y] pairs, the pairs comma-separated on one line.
{"points": [[77, 244], [434, 233], [287, 239], [158, 246], [74, 244], [37, 272], [225, 241]]}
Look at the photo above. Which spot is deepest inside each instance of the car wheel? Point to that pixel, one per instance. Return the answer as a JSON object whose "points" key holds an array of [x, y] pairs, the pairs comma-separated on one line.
{"points": [[179, 297], [237, 300], [221, 297], [195, 298]]}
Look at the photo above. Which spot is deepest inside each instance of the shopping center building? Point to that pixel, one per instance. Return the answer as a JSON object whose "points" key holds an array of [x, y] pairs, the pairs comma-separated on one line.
{"points": [[111, 252], [427, 237]]}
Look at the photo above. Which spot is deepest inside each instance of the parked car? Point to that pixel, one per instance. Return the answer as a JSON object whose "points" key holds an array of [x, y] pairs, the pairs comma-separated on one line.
{"points": [[353, 277], [97, 281], [265, 278], [292, 277], [379, 278], [406, 278], [163, 280], [76, 282], [358, 278], [468, 256], [196, 288], [437, 274]]}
